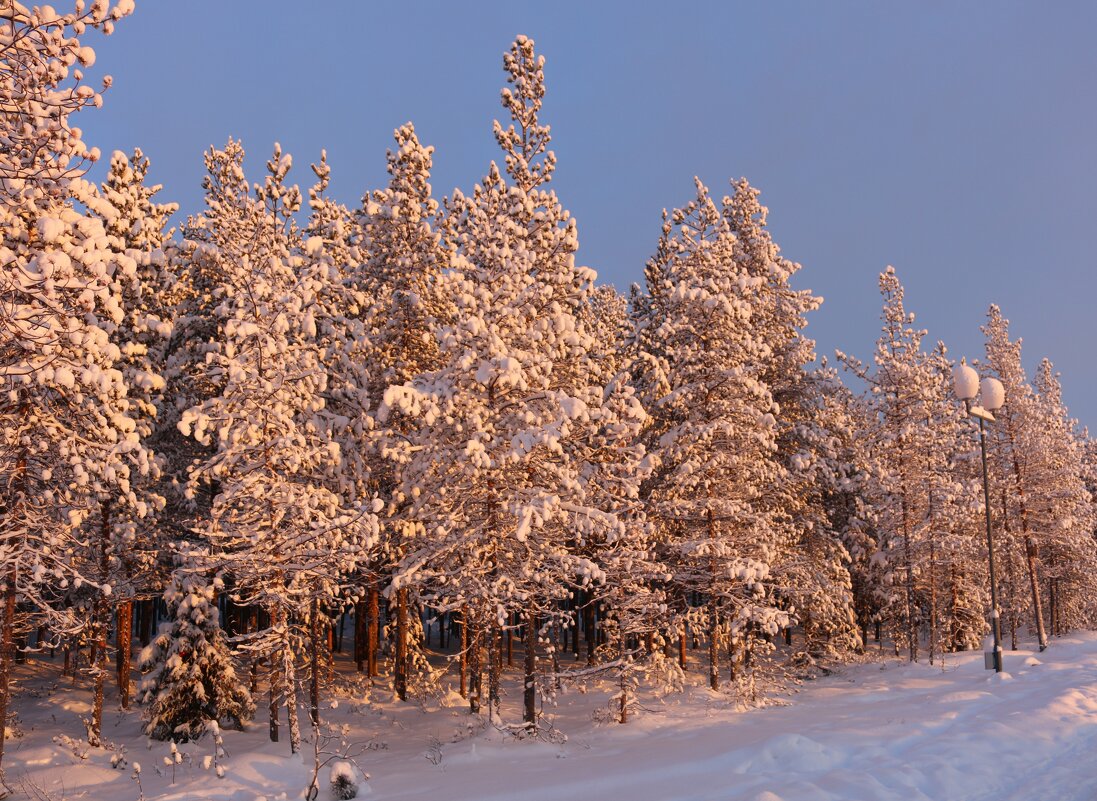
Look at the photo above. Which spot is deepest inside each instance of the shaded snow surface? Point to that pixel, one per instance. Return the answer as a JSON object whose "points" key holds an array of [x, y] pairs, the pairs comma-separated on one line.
{"points": [[874, 731]]}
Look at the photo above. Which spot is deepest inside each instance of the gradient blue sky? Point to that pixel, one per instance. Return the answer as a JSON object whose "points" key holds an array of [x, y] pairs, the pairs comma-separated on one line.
{"points": [[954, 140]]}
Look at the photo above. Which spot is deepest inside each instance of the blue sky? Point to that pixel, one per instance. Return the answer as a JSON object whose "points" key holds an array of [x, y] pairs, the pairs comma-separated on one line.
{"points": [[954, 140]]}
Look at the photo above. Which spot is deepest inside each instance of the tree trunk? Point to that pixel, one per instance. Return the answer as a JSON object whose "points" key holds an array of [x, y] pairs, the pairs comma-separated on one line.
{"points": [[147, 612], [100, 613], [360, 636], [400, 660], [462, 659], [1051, 606], [575, 631], [529, 694], [474, 668], [624, 697], [556, 654], [1030, 550], [275, 697], [124, 641], [932, 600], [314, 664], [7, 654], [953, 621], [1037, 604], [713, 615], [373, 634], [713, 649], [908, 556], [291, 697], [494, 642], [7, 630], [589, 632]]}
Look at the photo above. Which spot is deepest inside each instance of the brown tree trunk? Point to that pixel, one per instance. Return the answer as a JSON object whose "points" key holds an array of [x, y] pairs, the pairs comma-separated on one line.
{"points": [[713, 616], [908, 556], [1037, 603], [590, 631], [360, 636], [462, 659], [400, 659], [100, 614], [494, 665], [7, 654], [148, 609], [314, 664], [556, 654], [291, 698], [932, 601], [124, 641], [275, 695], [7, 629], [953, 620], [529, 689], [474, 667], [100, 667], [1030, 548], [624, 698], [373, 638], [713, 649]]}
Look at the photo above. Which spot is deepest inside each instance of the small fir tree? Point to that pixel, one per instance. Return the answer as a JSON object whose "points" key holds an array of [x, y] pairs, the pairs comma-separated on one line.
{"points": [[190, 678]]}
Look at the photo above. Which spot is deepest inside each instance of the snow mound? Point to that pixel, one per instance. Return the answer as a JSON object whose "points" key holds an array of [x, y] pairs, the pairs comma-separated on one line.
{"points": [[810, 756]]}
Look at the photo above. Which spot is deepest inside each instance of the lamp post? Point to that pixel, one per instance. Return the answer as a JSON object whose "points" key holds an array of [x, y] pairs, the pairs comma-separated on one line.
{"points": [[965, 383]]}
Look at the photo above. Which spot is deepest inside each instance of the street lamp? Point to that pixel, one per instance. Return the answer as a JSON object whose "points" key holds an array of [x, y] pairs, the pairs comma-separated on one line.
{"points": [[965, 383]]}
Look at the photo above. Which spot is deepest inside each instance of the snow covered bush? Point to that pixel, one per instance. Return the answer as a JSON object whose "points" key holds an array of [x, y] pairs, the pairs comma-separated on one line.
{"points": [[344, 780]]}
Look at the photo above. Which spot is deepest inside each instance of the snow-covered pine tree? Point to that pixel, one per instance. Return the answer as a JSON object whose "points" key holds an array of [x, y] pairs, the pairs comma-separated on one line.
{"points": [[333, 254], [278, 530], [1062, 507], [135, 224], [329, 220], [714, 436], [190, 676], [952, 583], [633, 595], [403, 277], [202, 269], [1018, 426], [842, 475], [902, 387], [66, 435], [491, 468], [812, 573]]}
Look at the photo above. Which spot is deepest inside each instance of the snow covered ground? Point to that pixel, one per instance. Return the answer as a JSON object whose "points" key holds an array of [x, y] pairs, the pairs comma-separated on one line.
{"points": [[873, 731]]}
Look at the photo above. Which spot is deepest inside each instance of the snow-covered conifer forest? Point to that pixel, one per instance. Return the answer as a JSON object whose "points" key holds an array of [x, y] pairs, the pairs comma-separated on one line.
{"points": [[323, 490]]}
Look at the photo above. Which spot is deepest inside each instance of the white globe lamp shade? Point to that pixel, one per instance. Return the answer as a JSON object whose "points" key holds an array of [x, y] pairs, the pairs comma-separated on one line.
{"points": [[965, 382], [993, 395]]}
